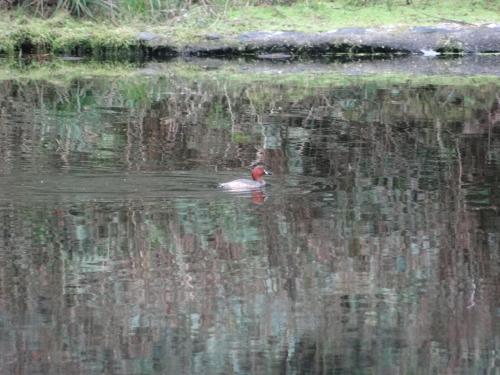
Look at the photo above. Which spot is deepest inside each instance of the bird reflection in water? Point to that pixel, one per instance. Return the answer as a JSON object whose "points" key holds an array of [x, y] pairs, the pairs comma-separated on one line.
{"points": [[258, 197]]}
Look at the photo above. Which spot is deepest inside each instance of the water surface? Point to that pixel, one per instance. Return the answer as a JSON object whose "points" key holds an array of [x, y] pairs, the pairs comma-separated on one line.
{"points": [[375, 249]]}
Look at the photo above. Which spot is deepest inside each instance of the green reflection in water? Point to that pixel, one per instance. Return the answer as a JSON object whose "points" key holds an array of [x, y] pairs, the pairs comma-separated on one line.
{"points": [[374, 249]]}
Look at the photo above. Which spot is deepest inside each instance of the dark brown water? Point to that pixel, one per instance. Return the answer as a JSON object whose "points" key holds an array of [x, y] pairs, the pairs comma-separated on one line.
{"points": [[375, 249]]}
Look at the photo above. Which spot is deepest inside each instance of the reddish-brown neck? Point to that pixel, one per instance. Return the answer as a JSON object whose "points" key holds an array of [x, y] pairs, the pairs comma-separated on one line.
{"points": [[257, 173]]}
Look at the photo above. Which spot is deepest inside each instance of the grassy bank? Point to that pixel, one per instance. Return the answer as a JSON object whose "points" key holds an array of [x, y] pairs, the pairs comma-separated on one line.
{"points": [[94, 34], [62, 34]]}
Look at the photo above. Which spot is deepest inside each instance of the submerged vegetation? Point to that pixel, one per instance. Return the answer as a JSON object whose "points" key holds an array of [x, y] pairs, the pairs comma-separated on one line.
{"points": [[83, 26]]}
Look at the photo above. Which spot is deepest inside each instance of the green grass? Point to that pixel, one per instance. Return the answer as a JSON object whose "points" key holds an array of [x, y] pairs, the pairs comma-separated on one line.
{"points": [[323, 16], [63, 33], [317, 16]]}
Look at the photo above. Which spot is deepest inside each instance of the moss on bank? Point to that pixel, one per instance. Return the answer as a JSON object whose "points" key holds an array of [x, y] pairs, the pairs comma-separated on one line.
{"points": [[62, 34]]}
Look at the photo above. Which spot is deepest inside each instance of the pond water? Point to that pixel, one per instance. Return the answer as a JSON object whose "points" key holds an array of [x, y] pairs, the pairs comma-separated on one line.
{"points": [[375, 249]]}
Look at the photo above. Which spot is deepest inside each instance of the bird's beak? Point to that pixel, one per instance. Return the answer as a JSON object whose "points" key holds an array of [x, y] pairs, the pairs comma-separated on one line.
{"points": [[269, 173]]}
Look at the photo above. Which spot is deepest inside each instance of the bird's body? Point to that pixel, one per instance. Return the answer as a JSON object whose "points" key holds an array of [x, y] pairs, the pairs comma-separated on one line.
{"points": [[244, 184]]}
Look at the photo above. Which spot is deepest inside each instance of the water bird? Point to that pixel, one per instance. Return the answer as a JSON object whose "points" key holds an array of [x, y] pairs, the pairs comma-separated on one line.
{"points": [[244, 184]]}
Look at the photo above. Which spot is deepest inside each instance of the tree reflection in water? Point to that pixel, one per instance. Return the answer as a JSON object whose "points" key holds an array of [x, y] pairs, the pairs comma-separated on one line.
{"points": [[374, 250]]}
